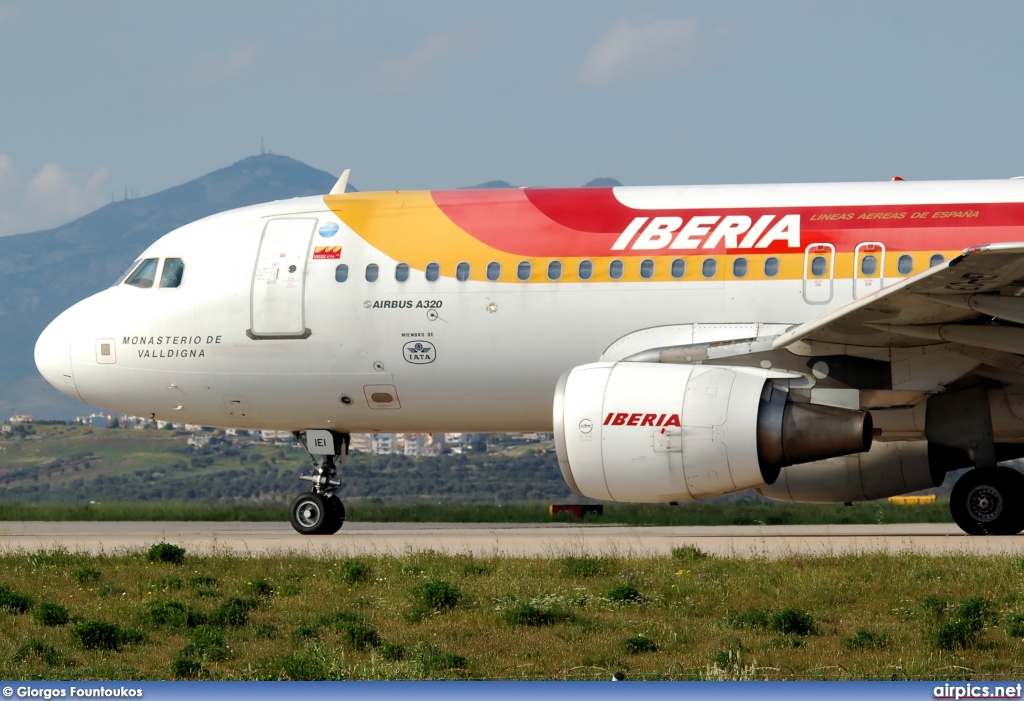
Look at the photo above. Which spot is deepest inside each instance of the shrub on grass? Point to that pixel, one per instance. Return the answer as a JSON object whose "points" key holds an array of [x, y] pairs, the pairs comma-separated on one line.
{"points": [[261, 589], [355, 571], [98, 635], [361, 636], [166, 583], [51, 615], [392, 652], [688, 553], [754, 618], [581, 566], [432, 660], [186, 669], [963, 631], [167, 552], [1015, 626], [792, 622], [640, 644], [625, 594], [206, 643], [526, 614], [43, 651], [233, 613], [956, 634], [86, 575], [14, 602], [265, 630], [433, 596], [865, 639], [203, 580], [173, 615]]}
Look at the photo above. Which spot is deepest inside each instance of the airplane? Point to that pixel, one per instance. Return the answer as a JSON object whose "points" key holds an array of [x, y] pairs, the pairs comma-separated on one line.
{"points": [[829, 342]]}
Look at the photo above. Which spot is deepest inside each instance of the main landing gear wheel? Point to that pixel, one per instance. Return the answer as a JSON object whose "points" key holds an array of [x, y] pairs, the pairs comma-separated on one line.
{"points": [[315, 514], [987, 501]]}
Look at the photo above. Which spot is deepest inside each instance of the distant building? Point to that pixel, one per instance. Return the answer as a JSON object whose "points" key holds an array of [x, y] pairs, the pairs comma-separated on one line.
{"points": [[414, 444], [276, 435], [199, 441], [22, 419], [384, 443], [363, 442], [7, 428]]}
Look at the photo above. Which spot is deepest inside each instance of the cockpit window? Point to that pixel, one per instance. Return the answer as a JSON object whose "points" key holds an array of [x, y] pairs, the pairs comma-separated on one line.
{"points": [[144, 275], [174, 268]]}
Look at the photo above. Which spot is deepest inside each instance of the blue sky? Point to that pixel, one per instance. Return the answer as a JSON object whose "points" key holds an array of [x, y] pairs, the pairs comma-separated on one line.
{"points": [[98, 96]]}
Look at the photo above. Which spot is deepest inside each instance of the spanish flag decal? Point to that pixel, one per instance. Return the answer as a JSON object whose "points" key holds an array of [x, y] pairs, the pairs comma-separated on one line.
{"points": [[327, 253]]}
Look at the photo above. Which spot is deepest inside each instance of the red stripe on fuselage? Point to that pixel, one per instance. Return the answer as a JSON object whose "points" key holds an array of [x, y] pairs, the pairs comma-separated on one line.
{"points": [[586, 222]]}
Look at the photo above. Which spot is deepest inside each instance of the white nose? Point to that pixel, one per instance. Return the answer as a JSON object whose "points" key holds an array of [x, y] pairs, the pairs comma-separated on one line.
{"points": [[53, 356]]}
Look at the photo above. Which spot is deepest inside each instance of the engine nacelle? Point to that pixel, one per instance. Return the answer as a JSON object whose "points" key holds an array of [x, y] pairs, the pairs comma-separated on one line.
{"points": [[650, 432], [886, 470]]}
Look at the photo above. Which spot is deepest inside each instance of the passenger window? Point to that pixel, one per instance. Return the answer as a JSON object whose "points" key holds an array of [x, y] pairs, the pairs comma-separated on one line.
{"points": [[905, 264], [371, 272], [819, 266], [678, 268], [554, 270], [144, 274], [402, 272], [433, 271], [586, 269], [341, 273], [771, 267], [493, 270], [937, 259], [647, 269], [615, 269], [739, 267], [709, 267], [524, 270], [462, 272], [868, 265], [173, 270]]}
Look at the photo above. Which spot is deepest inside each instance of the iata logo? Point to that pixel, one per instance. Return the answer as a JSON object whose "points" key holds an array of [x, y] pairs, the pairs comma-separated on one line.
{"points": [[419, 352], [653, 420], [731, 231]]}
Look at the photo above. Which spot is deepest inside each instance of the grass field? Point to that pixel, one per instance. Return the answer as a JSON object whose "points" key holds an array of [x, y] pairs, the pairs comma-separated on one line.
{"points": [[695, 514], [427, 615]]}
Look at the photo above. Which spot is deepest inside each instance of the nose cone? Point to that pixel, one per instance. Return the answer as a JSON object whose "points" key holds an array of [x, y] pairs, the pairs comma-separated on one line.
{"points": [[53, 356]]}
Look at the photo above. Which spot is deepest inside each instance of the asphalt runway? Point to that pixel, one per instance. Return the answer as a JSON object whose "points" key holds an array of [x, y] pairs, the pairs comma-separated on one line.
{"points": [[529, 540]]}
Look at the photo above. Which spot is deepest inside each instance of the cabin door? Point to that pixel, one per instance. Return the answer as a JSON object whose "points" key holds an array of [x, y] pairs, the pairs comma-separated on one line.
{"points": [[819, 260], [868, 264], [279, 280]]}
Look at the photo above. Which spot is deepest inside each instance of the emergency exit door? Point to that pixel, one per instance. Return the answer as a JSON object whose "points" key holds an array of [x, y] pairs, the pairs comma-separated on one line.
{"points": [[278, 282], [819, 263], [868, 264]]}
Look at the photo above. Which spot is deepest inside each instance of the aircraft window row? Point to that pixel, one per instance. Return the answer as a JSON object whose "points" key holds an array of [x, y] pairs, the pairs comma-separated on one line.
{"points": [[144, 274], [904, 265]]}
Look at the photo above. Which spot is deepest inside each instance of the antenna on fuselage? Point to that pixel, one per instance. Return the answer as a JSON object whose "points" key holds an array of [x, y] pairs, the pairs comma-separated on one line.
{"points": [[342, 184]]}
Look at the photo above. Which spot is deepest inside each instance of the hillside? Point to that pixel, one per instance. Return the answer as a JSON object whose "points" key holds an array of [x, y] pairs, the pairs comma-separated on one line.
{"points": [[78, 464]]}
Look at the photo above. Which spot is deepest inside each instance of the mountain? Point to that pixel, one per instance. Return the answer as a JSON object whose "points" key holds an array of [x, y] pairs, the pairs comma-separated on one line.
{"points": [[603, 182], [44, 273]]}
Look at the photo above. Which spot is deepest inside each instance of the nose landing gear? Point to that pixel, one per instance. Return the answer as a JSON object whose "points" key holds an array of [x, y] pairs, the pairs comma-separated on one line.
{"points": [[320, 511]]}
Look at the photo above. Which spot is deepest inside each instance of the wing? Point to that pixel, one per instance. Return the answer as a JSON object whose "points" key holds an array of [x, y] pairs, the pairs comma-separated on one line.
{"points": [[973, 299]]}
